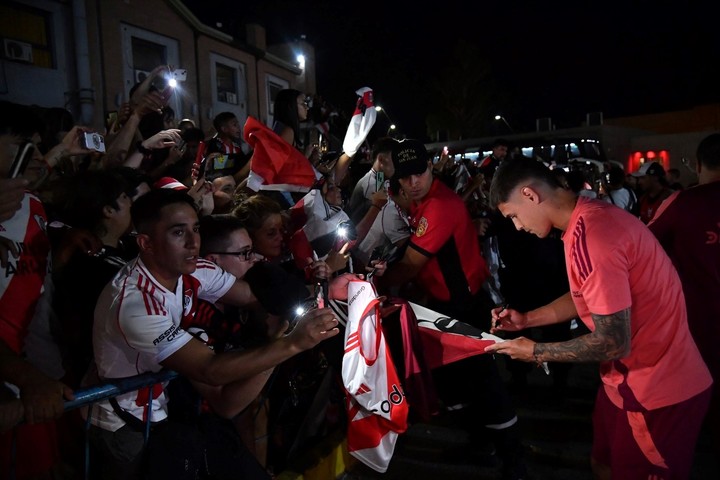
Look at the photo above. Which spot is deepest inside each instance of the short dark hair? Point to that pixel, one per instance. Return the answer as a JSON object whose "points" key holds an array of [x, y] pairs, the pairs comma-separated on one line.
{"points": [[193, 134], [88, 193], [616, 176], [145, 211], [21, 120], [708, 152], [133, 178], [500, 141], [513, 172], [221, 119], [215, 232], [383, 145]]}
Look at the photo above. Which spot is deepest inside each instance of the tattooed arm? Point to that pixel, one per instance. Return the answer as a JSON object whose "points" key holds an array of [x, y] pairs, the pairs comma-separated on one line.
{"points": [[609, 341]]}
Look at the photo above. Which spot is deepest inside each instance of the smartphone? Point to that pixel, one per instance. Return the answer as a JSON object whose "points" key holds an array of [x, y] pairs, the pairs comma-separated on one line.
{"points": [[181, 146], [179, 74], [321, 294], [166, 93], [93, 141], [379, 180], [22, 158], [199, 162]]}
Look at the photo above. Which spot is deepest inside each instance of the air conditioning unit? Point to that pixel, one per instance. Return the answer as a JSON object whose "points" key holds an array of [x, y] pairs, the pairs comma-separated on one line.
{"points": [[141, 75], [544, 124], [18, 51]]}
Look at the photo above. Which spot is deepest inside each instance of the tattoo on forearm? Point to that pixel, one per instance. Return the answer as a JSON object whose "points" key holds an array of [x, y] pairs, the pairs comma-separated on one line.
{"points": [[609, 341]]}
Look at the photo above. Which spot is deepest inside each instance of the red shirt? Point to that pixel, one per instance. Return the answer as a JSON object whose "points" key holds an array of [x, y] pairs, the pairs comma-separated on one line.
{"points": [[21, 282], [614, 262], [688, 227], [445, 233]]}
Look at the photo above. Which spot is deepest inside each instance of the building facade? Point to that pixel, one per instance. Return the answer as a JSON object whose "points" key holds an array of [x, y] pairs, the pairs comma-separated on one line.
{"points": [[86, 55]]}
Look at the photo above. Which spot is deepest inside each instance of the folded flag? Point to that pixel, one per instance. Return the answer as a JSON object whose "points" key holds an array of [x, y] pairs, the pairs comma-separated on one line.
{"points": [[377, 409], [275, 164], [361, 122]]}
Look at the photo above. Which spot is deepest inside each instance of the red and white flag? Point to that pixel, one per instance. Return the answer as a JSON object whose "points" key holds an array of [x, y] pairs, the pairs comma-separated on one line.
{"points": [[275, 164], [361, 122], [446, 340], [377, 408]]}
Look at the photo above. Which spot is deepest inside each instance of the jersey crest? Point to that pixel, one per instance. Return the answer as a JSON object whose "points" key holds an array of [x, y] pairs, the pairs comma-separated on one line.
{"points": [[421, 227]]}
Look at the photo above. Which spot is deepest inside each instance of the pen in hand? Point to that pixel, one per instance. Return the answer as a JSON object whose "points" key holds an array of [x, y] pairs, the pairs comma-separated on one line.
{"points": [[502, 309]]}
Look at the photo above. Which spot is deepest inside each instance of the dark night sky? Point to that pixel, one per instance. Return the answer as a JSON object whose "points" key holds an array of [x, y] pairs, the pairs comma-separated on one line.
{"points": [[620, 58]]}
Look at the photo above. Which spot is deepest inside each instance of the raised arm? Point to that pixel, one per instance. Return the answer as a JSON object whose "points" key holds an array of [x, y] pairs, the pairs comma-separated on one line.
{"points": [[197, 362]]}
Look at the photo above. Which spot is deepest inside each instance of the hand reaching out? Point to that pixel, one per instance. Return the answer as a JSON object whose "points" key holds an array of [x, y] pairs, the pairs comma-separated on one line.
{"points": [[313, 327], [163, 139], [320, 269]]}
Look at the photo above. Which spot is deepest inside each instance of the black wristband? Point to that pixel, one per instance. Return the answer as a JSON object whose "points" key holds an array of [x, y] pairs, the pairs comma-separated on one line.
{"points": [[143, 150]]}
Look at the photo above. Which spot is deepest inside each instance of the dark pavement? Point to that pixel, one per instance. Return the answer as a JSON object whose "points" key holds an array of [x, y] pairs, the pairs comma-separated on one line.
{"points": [[556, 429]]}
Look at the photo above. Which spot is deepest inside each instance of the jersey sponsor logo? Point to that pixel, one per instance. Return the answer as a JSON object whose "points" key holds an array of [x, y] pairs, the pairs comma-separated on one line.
{"points": [[421, 227], [395, 397], [354, 297], [576, 294], [168, 335]]}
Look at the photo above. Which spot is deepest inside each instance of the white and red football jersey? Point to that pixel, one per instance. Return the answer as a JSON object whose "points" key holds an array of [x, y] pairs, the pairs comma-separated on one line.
{"points": [[137, 326], [21, 281]]}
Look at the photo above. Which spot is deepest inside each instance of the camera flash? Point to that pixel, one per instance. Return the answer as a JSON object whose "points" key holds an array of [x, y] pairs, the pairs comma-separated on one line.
{"points": [[172, 82], [342, 232], [299, 311]]}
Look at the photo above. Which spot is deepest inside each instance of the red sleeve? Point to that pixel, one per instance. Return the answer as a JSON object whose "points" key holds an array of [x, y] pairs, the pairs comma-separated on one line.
{"points": [[433, 229]]}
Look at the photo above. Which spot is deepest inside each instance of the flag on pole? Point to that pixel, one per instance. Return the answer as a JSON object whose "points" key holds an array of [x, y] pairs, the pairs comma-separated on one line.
{"points": [[377, 409], [361, 122], [275, 164]]}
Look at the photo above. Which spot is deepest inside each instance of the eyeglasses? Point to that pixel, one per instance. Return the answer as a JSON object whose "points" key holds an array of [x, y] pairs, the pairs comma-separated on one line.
{"points": [[305, 103], [245, 255]]}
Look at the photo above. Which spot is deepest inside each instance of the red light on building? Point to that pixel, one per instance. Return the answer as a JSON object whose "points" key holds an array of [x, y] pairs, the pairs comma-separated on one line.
{"points": [[634, 162], [638, 158]]}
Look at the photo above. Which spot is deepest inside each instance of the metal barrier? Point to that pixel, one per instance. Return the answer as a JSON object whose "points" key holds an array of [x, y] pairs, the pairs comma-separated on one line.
{"points": [[117, 387], [92, 394]]}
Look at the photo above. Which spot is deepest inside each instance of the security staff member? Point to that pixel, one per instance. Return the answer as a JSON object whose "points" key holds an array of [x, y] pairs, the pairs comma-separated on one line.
{"points": [[443, 258]]}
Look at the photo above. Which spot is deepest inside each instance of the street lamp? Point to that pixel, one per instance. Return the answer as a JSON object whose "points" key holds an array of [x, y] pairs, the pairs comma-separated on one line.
{"points": [[500, 117], [378, 108]]}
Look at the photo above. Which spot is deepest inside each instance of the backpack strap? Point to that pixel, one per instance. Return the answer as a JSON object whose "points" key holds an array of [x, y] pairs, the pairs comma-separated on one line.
{"points": [[134, 422]]}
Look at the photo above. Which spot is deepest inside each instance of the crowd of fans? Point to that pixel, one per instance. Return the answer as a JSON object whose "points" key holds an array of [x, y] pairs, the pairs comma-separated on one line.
{"points": [[148, 250]]}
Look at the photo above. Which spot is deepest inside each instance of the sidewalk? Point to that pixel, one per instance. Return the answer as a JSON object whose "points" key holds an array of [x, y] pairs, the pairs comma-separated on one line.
{"points": [[556, 429]]}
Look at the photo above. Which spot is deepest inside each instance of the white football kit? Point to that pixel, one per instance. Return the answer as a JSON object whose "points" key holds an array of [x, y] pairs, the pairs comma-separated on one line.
{"points": [[137, 326]]}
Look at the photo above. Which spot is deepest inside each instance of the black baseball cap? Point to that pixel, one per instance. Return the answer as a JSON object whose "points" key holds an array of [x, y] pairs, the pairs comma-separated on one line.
{"points": [[410, 157]]}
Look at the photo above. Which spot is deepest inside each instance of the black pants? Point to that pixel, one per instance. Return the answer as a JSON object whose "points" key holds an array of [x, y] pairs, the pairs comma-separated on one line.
{"points": [[474, 382]]}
